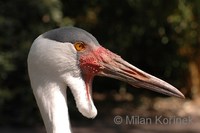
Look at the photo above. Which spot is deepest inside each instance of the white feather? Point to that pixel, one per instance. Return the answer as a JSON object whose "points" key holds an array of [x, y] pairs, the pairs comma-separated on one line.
{"points": [[52, 67], [78, 88]]}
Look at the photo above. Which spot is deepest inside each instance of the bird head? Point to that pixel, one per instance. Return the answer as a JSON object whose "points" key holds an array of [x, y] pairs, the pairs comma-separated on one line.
{"points": [[73, 56]]}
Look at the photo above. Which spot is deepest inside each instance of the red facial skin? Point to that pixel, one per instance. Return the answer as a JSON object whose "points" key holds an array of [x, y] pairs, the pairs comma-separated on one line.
{"points": [[90, 64]]}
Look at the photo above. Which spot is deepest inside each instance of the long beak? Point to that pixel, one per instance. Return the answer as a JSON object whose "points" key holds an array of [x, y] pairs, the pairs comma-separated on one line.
{"points": [[114, 66]]}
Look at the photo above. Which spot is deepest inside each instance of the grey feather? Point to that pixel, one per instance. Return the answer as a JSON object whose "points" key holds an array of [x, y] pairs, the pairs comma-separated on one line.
{"points": [[70, 34]]}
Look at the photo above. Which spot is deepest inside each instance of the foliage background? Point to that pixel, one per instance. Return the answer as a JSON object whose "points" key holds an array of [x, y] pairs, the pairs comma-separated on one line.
{"points": [[160, 37]]}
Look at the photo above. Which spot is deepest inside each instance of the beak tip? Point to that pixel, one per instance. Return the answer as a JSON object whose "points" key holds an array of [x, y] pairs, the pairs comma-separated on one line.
{"points": [[181, 96]]}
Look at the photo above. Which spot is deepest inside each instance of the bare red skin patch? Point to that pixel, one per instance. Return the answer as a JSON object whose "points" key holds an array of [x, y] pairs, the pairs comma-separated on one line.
{"points": [[90, 64]]}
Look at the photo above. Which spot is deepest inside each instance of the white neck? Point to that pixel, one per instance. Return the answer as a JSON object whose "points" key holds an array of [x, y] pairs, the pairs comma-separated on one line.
{"points": [[52, 102]]}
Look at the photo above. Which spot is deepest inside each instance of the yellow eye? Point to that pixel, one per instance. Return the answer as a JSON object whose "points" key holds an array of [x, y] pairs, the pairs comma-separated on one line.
{"points": [[79, 46]]}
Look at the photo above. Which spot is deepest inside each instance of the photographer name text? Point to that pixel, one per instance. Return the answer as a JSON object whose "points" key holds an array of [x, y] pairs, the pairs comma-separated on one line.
{"points": [[161, 120]]}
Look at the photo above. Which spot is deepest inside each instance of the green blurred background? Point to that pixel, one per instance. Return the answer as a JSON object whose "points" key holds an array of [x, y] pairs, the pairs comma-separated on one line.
{"points": [[161, 37]]}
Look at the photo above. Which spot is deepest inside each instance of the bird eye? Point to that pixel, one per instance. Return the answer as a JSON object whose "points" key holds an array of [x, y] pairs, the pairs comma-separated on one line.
{"points": [[79, 46]]}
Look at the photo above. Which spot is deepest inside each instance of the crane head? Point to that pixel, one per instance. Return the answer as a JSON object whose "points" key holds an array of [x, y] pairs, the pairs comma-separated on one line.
{"points": [[73, 56]]}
